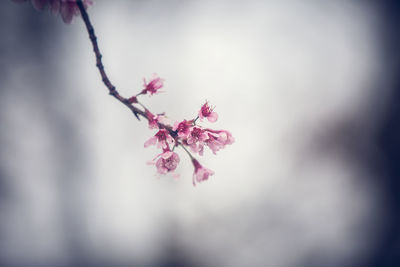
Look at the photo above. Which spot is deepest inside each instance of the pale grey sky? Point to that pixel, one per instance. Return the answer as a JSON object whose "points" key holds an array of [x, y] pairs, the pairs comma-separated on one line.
{"points": [[293, 83]]}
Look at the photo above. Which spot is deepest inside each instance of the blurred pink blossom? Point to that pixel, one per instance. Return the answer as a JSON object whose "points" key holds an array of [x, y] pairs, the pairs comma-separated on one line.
{"points": [[167, 162], [196, 139], [154, 120], [153, 86], [200, 173], [162, 138], [67, 8], [207, 112], [182, 128]]}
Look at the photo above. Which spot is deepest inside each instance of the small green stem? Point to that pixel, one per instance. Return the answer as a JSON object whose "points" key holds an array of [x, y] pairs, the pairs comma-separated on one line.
{"points": [[187, 151]]}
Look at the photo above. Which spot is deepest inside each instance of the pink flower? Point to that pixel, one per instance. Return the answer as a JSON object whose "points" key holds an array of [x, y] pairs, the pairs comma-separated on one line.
{"points": [[200, 173], [67, 8], [182, 128], [154, 120], [207, 112], [213, 143], [224, 137], [163, 138], [167, 162], [153, 86], [217, 140], [196, 140]]}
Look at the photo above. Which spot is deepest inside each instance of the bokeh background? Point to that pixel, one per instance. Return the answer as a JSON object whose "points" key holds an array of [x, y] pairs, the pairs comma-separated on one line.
{"points": [[309, 89]]}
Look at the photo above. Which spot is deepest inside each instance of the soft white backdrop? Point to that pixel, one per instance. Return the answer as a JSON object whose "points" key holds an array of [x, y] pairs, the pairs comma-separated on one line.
{"points": [[291, 81]]}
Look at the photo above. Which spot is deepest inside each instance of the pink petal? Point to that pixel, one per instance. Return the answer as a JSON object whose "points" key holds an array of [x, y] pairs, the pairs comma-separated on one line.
{"points": [[170, 140], [162, 119], [176, 124], [193, 147], [67, 11], [151, 141], [150, 162], [201, 149], [167, 154], [160, 168], [213, 117], [200, 115]]}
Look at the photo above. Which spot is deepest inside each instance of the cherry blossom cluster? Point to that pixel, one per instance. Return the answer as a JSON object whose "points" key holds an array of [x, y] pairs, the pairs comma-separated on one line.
{"points": [[188, 134]]}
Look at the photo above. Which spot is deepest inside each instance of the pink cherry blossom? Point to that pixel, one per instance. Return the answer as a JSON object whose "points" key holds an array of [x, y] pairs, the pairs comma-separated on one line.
{"points": [[185, 133], [200, 173], [196, 139], [67, 8], [213, 143], [218, 139], [162, 138], [207, 112], [167, 162], [182, 128], [154, 120], [225, 137], [153, 86]]}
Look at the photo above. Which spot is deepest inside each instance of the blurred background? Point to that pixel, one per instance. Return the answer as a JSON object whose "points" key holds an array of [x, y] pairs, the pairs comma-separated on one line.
{"points": [[309, 90]]}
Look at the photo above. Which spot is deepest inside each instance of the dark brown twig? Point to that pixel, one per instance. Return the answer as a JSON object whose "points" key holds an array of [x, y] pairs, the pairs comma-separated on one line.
{"points": [[111, 88]]}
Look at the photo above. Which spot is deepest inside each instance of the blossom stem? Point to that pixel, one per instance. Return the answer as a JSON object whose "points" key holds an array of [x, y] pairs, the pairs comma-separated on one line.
{"points": [[142, 105], [187, 151], [111, 88]]}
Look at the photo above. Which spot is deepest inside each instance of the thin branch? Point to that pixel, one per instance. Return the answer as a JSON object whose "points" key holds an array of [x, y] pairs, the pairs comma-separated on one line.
{"points": [[111, 88], [187, 151]]}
